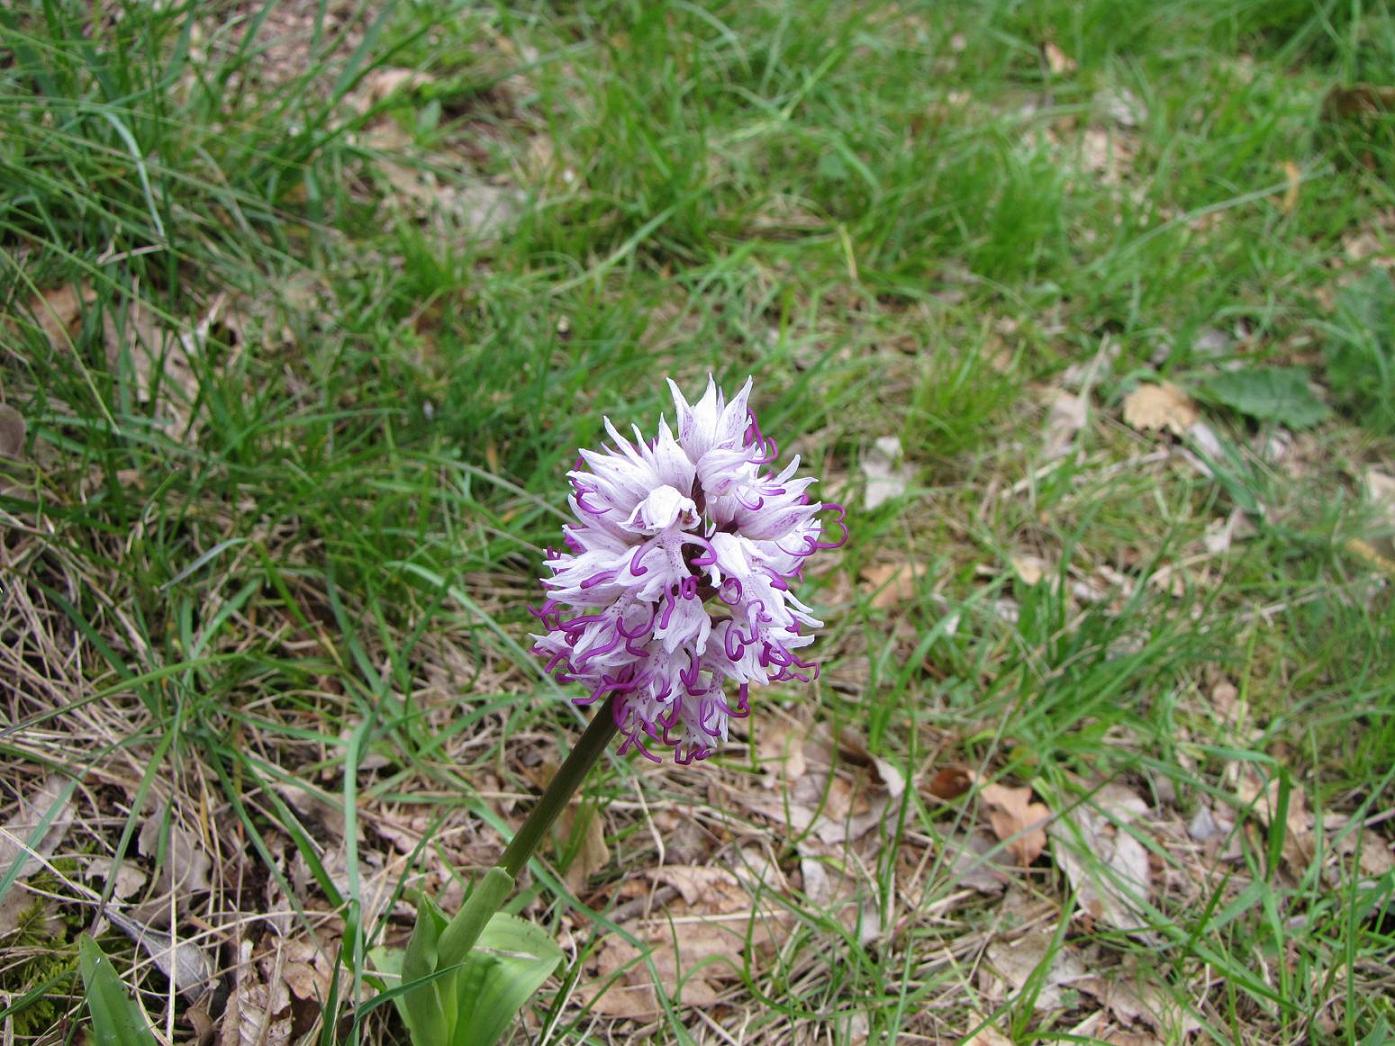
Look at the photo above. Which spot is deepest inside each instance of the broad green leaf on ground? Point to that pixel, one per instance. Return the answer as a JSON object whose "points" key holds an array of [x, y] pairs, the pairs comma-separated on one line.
{"points": [[509, 963], [116, 1017], [1268, 394], [1360, 352], [476, 1004]]}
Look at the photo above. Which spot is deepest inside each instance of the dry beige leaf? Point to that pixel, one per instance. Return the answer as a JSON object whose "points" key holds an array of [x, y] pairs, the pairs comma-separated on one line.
{"points": [[1105, 153], [1066, 416], [258, 1011], [1106, 864], [161, 358], [1016, 820], [12, 431], [589, 853], [184, 859], [709, 887], [780, 752], [181, 960], [129, 879], [1031, 569], [1057, 60], [693, 956], [974, 863], [307, 970], [887, 475], [1377, 857], [1163, 406], [853, 745], [1134, 1001], [987, 1035], [892, 584], [1017, 960], [58, 311], [1293, 178], [381, 83], [1261, 798], [50, 803], [1380, 488], [1122, 106]]}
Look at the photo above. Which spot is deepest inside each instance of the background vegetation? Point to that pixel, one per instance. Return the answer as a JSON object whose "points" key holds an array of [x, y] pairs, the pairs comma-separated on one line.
{"points": [[1084, 308]]}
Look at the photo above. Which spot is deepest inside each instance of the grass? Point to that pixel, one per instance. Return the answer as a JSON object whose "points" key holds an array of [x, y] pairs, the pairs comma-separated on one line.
{"points": [[303, 349]]}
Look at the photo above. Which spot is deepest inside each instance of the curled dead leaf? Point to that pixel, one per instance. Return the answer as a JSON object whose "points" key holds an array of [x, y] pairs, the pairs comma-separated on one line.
{"points": [[1031, 569], [12, 432], [892, 584], [58, 311], [1106, 864], [1163, 406], [1293, 178], [951, 782], [1016, 820], [1066, 416], [181, 960], [1057, 60], [585, 845], [887, 475], [1262, 799], [1017, 961]]}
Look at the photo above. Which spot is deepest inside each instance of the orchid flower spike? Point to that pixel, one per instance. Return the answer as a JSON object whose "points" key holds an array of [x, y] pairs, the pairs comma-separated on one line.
{"points": [[678, 574]]}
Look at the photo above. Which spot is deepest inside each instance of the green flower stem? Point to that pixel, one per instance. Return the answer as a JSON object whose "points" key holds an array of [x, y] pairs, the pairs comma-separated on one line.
{"points": [[490, 893], [569, 777]]}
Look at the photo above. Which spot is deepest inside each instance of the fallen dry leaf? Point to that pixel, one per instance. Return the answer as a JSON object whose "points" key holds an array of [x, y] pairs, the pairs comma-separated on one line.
{"points": [[887, 474], [307, 970], [1031, 569], [58, 311], [50, 802], [258, 1011], [951, 782], [974, 862], [12, 431], [695, 950], [1106, 865], [181, 960], [1357, 100], [892, 584], [1066, 416], [1293, 178], [589, 853], [702, 886], [1057, 60], [379, 84], [18, 846], [184, 861], [1106, 153], [129, 878], [1016, 820], [1163, 406], [1122, 106], [1016, 960], [1260, 797], [780, 752]]}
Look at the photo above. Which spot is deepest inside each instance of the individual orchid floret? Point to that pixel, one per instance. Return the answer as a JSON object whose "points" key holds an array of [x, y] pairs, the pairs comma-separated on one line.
{"points": [[676, 579]]}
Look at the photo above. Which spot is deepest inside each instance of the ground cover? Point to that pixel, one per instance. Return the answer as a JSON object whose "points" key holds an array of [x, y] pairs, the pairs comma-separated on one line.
{"points": [[1081, 308]]}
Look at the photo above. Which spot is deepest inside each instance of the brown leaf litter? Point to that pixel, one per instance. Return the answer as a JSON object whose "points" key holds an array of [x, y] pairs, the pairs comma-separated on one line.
{"points": [[1150, 408], [1108, 867]]}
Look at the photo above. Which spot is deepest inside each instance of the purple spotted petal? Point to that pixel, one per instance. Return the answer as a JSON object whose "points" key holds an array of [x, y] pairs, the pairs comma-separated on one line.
{"points": [[674, 592]]}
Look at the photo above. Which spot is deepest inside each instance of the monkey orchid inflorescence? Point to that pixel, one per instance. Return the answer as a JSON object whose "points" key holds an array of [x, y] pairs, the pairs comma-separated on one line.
{"points": [[677, 577]]}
